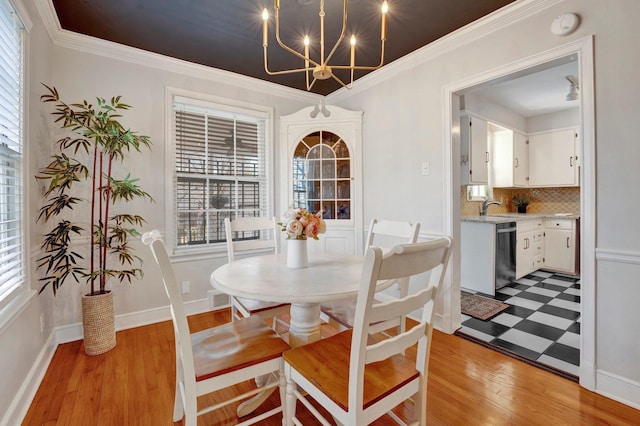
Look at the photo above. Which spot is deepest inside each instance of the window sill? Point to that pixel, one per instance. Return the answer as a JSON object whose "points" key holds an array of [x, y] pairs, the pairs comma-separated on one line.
{"points": [[195, 254], [16, 304]]}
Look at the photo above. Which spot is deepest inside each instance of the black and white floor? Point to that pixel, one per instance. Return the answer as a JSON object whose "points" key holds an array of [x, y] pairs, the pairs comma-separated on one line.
{"points": [[542, 324]]}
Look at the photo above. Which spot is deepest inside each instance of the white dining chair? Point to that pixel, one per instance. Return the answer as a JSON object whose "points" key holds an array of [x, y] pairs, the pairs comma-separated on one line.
{"points": [[245, 236], [218, 357], [356, 377], [385, 234]]}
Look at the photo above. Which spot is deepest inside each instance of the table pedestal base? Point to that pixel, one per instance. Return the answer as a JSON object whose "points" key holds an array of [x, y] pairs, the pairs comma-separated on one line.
{"points": [[304, 326]]}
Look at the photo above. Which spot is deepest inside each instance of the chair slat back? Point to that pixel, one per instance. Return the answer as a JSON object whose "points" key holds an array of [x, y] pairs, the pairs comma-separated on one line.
{"points": [[178, 315], [427, 260], [388, 233], [395, 308], [250, 233]]}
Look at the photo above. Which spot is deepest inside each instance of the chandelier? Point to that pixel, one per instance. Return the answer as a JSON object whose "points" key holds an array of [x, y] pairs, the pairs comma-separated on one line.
{"points": [[320, 69]]}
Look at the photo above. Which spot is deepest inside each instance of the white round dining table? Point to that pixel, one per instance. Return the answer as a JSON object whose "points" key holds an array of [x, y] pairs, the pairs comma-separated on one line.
{"points": [[267, 278]]}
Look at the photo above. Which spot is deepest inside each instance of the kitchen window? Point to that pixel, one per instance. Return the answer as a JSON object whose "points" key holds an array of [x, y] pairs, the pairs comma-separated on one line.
{"points": [[479, 192], [220, 170], [12, 200]]}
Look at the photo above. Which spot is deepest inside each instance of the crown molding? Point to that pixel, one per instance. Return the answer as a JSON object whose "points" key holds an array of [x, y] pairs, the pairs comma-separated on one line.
{"points": [[497, 20], [501, 18], [88, 44]]}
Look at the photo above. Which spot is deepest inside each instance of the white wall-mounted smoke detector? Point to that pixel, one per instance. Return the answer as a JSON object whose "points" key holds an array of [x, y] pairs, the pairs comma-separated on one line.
{"points": [[565, 24]]}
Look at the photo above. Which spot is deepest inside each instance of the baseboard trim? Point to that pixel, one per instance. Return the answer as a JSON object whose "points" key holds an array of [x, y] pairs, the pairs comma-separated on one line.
{"points": [[24, 396], [73, 332], [613, 386]]}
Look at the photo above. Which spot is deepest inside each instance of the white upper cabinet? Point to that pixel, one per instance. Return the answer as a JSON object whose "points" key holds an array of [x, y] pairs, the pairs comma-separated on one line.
{"points": [[520, 160], [474, 150], [552, 159], [510, 157]]}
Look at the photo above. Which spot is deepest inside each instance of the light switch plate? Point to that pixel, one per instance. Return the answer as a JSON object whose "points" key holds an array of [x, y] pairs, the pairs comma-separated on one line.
{"points": [[426, 168]]}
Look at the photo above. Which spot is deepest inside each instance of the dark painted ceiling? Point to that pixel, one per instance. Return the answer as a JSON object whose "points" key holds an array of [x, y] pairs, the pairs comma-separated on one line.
{"points": [[227, 34]]}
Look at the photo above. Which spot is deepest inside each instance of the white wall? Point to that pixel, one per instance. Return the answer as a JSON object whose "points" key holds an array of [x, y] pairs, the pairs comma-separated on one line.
{"points": [[558, 120], [78, 75], [495, 113], [404, 126], [505, 117], [24, 349]]}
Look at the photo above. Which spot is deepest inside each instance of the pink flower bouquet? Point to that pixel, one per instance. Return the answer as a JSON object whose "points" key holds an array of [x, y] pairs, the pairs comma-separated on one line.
{"points": [[299, 224]]}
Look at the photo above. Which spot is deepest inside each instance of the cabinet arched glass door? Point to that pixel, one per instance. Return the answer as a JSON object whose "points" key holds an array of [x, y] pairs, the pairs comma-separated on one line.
{"points": [[322, 175]]}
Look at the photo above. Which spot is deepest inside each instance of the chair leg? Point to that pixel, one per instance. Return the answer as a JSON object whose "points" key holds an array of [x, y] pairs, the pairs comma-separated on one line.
{"points": [[290, 407], [420, 404], [283, 391], [178, 406], [234, 311], [191, 407]]}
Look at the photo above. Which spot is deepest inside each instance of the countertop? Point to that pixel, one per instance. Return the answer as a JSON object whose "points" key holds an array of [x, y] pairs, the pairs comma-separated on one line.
{"points": [[517, 217]]}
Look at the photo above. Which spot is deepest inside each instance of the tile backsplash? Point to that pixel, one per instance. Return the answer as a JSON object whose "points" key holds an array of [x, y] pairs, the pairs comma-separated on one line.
{"points": [[543, 200]]}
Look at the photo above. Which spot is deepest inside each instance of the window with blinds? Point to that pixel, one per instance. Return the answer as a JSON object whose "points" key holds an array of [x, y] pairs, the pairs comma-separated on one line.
{"points": [[12, 269], [220, 171]]}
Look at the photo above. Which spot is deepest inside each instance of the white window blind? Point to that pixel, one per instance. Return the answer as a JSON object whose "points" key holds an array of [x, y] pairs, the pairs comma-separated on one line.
{"points": [[12, 271], [220, 171]]}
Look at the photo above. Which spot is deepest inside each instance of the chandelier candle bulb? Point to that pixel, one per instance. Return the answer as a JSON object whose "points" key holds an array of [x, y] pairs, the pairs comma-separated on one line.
{"points": [[265, 26], [306, 51], [353, 51], [385, 9]]}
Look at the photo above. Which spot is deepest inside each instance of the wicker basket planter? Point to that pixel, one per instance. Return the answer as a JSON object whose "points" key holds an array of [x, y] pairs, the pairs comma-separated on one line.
{"points": [[98, 322]]}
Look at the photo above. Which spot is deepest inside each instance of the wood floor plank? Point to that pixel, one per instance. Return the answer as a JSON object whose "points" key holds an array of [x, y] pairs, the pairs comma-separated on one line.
{"points": [[468, 384]]}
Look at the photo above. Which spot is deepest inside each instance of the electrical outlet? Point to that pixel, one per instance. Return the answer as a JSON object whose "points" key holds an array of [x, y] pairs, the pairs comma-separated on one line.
{"points": [[42, 322], [186, 287]]}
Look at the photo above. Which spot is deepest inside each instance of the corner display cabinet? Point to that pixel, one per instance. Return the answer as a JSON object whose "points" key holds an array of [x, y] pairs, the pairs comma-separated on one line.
{"points": [[322, 149]]}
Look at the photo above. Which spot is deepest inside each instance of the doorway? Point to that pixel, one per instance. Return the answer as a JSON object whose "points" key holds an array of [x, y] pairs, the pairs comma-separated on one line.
{"points": [[582, 49]]}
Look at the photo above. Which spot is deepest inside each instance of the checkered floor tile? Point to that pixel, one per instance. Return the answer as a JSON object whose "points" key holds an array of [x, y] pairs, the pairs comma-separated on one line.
{"points": [[542, 324]]}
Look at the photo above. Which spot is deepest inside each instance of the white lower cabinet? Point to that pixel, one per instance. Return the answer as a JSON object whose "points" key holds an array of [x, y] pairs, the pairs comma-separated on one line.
{"points": [[560, 239], [478, 248], [529, 246]]}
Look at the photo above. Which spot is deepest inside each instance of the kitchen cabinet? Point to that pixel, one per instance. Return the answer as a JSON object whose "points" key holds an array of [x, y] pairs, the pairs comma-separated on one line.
{"points": [[478, 242], [510, 158], [560, 241], [530, 245], [552, 158], [474, 150]]}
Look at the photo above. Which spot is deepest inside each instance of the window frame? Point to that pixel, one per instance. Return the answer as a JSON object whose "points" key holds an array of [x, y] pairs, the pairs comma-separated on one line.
{"points": [[15, 300], [225, 106]]}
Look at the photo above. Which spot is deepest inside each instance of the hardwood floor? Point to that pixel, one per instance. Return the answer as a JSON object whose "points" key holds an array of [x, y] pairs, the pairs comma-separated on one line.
{"points": [[468, 385]]}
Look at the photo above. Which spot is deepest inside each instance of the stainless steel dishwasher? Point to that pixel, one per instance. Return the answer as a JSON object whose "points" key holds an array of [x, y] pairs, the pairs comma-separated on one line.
{"points": [[505, 253]]}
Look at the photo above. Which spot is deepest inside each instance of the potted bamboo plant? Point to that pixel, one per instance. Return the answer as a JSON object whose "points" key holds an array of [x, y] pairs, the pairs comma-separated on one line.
{"points": [[82, 177]]}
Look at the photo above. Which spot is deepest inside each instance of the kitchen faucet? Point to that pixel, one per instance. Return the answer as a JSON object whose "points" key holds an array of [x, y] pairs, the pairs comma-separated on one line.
{"points": [[485, 205]]}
